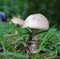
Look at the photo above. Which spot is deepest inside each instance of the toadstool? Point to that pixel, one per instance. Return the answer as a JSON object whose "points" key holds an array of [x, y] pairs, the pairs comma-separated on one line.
{"points": [[17, 21], [36, 22]]}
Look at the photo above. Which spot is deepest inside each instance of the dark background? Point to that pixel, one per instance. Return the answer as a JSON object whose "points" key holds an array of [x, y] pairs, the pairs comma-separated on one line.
{"points": [[49, 8]]}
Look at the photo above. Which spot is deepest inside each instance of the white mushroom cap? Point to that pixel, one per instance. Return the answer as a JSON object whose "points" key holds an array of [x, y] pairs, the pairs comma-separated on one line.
{"points": [[36, 21], [17, 20]]}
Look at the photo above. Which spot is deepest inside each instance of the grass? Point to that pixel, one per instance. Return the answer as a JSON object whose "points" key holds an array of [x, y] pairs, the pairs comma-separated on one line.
{"points": [[12, 44]]}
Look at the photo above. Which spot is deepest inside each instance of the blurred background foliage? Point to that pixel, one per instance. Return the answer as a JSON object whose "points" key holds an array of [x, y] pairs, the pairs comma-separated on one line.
{"points": [[49, 8]]}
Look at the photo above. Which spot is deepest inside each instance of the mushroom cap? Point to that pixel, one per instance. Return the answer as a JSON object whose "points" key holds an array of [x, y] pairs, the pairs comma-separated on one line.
{"points": [[36, 21], [17, 20]]}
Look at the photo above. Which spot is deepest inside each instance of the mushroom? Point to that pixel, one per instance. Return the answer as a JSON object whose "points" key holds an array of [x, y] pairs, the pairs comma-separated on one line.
{"points": [[17, 21], [36, 22]]}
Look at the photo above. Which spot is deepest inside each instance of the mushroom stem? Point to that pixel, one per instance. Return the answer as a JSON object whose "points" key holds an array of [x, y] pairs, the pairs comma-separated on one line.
{"points": [[33, 47], [34, 36], [33, 44]]}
